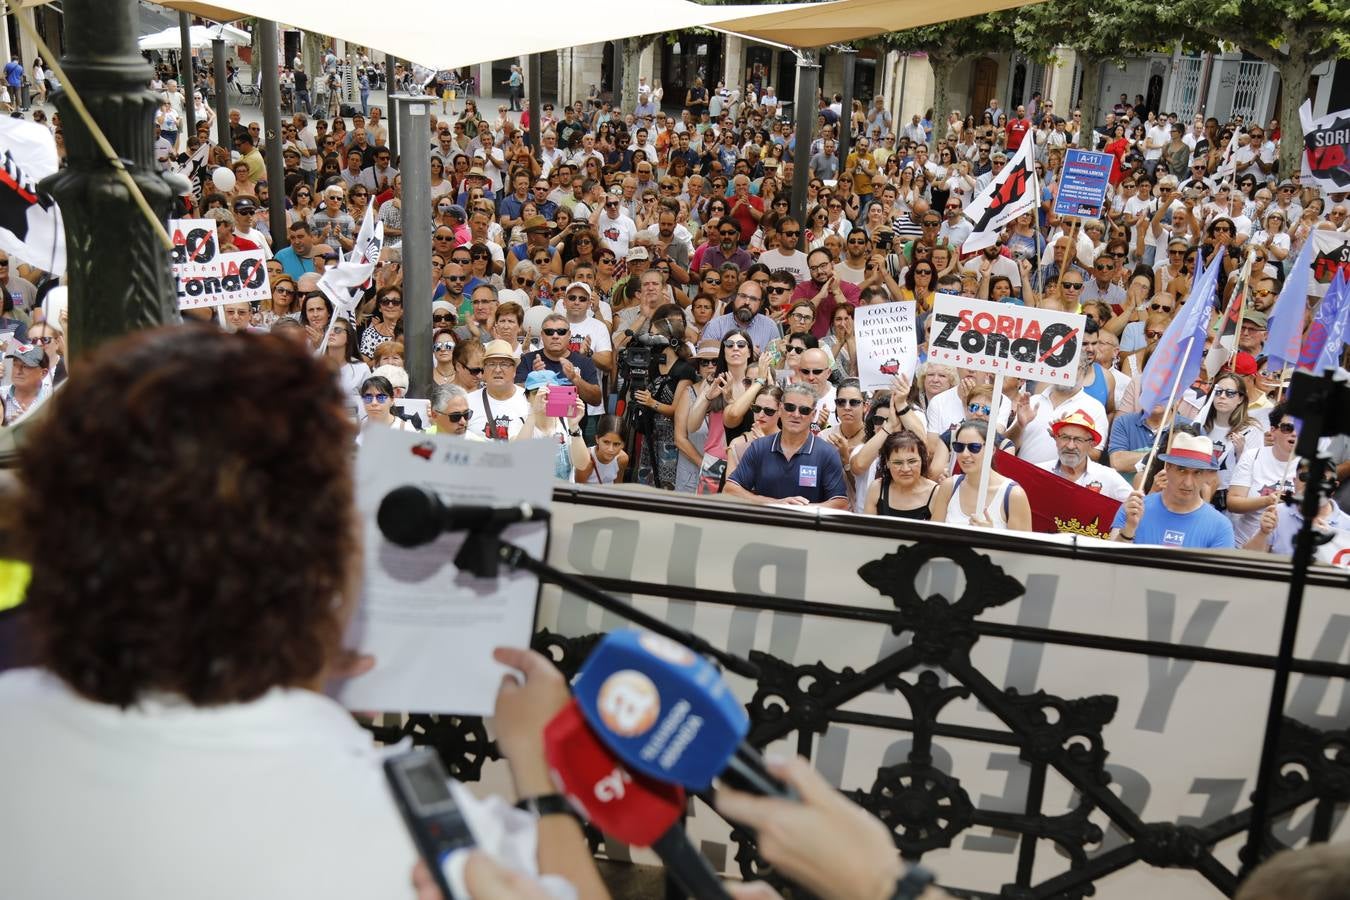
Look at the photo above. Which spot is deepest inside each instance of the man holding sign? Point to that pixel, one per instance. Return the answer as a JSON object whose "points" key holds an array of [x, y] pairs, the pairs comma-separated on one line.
{"points": [[1178, 515]]}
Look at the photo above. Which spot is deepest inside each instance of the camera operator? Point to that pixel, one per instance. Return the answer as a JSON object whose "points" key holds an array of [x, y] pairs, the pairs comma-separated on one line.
{"points": [[657, 364]]}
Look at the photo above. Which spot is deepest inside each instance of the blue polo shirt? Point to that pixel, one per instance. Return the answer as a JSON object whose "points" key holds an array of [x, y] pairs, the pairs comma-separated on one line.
{"points": [[1204, 527], [813, 473], [293, 265]]}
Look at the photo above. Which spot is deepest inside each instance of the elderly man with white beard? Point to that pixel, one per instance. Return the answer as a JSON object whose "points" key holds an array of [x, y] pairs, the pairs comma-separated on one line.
{"points": [[1075, 433]]}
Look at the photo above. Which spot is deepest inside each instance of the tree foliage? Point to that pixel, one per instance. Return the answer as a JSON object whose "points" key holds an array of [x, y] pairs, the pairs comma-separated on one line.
{"points": [[1099, 31], [1295, 35]]}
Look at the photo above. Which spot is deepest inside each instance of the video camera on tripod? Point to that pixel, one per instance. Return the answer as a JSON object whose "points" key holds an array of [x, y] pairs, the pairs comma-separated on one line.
{"points": [[639, 366]]}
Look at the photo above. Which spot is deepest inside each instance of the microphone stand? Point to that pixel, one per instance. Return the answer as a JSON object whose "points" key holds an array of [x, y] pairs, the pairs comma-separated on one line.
{"points": [[484, 550]]}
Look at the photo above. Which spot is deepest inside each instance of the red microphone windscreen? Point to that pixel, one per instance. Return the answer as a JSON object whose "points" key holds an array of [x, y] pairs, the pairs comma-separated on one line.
{"points": [[631, 807]]}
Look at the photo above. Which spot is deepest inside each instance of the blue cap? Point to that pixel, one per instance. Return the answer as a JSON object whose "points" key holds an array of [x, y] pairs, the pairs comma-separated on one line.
{"points": [[539, 378], [458, 211]]}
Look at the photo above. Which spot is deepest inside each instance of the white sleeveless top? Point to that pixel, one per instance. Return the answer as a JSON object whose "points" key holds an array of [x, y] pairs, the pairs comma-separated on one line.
{"points": [[997, 511], [603, 473]]}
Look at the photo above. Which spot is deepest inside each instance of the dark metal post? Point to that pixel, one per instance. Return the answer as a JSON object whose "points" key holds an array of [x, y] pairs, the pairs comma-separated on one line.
{"points": [[222, 94], [105, 230], [390, 88], [1311, 398], [534, 103], [846, 106], [804, 100], [271, 103], [412, 112], [187, 80]]}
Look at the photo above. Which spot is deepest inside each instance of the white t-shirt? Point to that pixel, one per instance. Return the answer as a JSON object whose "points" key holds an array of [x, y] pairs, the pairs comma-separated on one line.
{"points": [[1038, 444], [795, 263], [1001, 265], [945, 410], [1262, 474], [1096, 477], [1158, 137], [617, 234], [593, 328], [298, 804], [509, 414]]}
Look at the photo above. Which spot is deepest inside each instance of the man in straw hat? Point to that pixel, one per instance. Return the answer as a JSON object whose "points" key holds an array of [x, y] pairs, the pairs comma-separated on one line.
{"points": [[1177, 515]]}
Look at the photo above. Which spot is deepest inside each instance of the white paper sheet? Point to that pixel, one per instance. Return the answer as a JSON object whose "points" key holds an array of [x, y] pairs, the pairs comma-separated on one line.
{"points": [[431, 627]]}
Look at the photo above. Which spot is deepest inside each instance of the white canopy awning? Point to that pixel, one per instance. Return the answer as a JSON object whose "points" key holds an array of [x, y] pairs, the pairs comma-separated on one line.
{"points": [[199, 37], [442, 35]]}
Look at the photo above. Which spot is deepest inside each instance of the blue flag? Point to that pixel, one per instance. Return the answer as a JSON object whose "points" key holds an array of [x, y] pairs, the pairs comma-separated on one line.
{"points": [[1327, 333], [1285, 327], [1176, 359]]}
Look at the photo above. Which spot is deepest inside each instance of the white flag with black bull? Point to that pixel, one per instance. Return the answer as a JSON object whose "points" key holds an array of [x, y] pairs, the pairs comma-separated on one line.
{"points": [[30, 221], [1012, 192]]}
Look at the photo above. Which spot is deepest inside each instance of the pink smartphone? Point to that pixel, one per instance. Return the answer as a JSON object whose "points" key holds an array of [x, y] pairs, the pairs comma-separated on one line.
{"points": [[561, 399]]}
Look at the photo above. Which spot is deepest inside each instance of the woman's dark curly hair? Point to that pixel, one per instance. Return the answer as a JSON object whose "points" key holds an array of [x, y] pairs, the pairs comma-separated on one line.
{"points": [[207, 532]]}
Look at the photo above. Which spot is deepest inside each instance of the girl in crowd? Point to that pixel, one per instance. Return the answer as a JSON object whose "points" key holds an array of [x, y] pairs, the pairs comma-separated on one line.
{"points": [[386, 324], [342, 356], [764, 412], [443, 356], [1230, 427], [1004, 505], [284, 303], [377, 399], [317, 311], [608, 460]]}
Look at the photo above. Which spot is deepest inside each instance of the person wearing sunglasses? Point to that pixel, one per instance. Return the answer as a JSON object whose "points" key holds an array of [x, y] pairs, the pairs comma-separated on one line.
{"points": [[795, 466], [450, 413], [1004, 505], [557, 356], [1263, 474], [377, 402], [764, 414], [787, 255]]}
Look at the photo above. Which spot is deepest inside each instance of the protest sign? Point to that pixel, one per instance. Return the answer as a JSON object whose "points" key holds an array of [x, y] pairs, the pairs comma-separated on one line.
{"points": [[886, 343], [1326, 149], [1083, 183], [204, 276], [194, 242], [1009, 194], [238, 277], [1037, 344], [1331, 254]]}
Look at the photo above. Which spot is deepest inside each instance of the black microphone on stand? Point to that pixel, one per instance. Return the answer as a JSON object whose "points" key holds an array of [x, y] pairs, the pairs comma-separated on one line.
{"points": [[411, 516]]}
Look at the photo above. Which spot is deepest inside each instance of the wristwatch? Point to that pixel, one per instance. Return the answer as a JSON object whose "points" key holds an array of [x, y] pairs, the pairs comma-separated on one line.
{"points": [[574, 432], [761, 382], [547, 805], [906, 411]]}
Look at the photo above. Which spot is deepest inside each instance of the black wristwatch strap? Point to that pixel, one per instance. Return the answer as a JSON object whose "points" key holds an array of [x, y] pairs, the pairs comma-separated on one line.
{"points": [[547, 805]]}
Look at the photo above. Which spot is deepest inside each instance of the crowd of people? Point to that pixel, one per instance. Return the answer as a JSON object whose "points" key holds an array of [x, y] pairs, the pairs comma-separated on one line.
{"points": [[651, 260], [175, 699]]}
